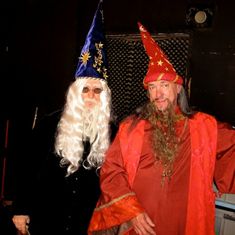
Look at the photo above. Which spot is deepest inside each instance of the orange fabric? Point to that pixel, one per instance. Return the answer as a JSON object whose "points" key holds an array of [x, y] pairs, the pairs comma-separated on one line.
{"points": [[200, 214], [225, 165], [110, 215], [159, 201], [131, 145], [203, 132], [200, 205]]}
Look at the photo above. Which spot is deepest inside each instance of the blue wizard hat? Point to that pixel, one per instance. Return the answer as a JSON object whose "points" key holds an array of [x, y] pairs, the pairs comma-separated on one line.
{"points": [[92, 61]]}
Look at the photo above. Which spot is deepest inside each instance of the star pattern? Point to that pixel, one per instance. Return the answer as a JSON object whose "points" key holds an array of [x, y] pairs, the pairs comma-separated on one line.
{"points": [[85, 56], [159, 63], [98, 60]]}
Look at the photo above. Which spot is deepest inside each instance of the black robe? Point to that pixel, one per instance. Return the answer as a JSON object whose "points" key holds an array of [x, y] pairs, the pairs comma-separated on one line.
{"points": [[56, 204]]}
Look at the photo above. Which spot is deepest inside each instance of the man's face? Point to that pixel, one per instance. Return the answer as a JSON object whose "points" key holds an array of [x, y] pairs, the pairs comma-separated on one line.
{"points": [[91, 93], [162, 93]]}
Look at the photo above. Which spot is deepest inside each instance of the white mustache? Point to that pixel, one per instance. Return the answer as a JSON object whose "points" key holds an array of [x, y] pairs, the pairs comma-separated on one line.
{"points": [[90, 100]]}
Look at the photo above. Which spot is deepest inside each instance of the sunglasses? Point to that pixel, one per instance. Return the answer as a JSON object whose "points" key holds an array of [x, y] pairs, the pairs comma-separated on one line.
{"points": [[96, 90]]}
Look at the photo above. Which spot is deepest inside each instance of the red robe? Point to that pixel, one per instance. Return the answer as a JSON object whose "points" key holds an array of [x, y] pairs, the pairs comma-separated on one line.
{"points": [[181, 206]]}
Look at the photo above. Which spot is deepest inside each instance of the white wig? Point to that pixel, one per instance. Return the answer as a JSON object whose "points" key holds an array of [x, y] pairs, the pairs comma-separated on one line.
{"points": [[70, 136]]}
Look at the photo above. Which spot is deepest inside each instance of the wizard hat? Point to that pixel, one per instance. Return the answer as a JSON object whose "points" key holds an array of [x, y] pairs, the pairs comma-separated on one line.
{"points": [[159, 67], [92, 61]]}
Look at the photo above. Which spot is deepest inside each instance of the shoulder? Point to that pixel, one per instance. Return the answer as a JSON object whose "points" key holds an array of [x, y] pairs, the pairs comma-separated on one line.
{"points": [[52, 117], [202, 116], [128, 120], [201, 119], [131, 123], [49, 119], [46, 126]]}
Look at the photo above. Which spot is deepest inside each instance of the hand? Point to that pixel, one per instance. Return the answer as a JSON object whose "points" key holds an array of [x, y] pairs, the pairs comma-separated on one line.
{"points": [[143, 225], [21, 222]]}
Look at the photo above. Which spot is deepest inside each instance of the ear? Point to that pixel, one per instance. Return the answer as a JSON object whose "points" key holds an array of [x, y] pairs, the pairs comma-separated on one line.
{"points": [[178, 88], [147, 94]]}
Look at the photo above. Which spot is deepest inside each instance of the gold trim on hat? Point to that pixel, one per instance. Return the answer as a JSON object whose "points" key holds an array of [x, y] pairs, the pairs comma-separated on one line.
{"points": [[160, 76], [176, 78]]}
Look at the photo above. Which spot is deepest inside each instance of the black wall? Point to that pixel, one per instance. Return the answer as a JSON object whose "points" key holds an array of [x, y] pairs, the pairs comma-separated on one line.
{"points": [[41, 42]]}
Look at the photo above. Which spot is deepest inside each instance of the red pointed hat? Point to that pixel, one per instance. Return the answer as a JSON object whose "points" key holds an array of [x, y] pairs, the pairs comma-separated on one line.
{"points": [[159, 67]]}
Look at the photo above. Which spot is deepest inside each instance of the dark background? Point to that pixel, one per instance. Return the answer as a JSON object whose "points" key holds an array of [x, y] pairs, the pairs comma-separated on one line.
{"points": [[41, 42]]}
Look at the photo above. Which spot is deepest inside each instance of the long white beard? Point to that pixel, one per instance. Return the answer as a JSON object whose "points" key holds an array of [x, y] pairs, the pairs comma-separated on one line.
{"points": [[90, 122]]}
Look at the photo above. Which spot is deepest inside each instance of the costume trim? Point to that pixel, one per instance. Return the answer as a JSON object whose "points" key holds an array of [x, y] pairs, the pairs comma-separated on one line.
{"points": [[107, 218], [113, 201]]}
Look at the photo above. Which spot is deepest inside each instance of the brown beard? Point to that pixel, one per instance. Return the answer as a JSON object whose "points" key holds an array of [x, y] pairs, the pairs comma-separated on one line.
{"points": [[164, 139]]}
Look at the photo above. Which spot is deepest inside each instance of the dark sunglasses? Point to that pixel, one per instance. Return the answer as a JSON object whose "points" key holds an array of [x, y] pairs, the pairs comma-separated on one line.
{"points": [[96, 90]]}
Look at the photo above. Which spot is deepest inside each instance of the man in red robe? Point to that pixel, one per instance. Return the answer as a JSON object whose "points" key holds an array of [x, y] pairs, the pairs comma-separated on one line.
{"points": [[158, 174]]}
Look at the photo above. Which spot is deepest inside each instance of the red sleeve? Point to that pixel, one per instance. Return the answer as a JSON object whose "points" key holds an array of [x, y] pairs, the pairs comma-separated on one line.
{"points": [[118, 203], [113, 177], [225, 159]]}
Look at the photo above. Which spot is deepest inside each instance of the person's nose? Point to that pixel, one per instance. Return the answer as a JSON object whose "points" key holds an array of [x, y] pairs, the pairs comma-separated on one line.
{"points": [[158, 93], [91, 94]]}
